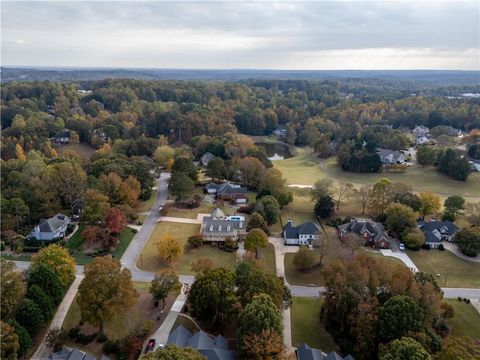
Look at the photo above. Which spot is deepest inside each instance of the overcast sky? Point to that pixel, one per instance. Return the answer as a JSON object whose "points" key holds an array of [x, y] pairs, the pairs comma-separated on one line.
{"points": [[233, 35]]}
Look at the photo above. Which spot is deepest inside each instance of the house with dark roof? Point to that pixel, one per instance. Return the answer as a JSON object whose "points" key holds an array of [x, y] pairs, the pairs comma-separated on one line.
{"points": [[206, 158], [390, 157], [437, 231], [228, 191], [217, 227], [305, 352], [212, 347], [302, 234], [50, 229], [67, 353], [372, 233]]}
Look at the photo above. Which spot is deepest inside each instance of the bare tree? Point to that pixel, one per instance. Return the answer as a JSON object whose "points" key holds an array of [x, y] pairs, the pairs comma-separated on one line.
{"points": [[364, 196], [472, 210], [342, 191], [353, 241]]}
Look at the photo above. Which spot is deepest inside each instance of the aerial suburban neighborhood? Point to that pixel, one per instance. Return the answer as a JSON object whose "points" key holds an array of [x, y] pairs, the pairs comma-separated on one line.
{"points": [[168, 192]]}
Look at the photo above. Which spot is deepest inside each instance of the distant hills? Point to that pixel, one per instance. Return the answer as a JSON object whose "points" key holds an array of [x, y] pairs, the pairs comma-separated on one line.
{"points": [[437, 77]]}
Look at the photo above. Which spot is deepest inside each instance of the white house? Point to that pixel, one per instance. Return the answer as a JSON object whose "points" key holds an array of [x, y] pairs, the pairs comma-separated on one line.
{"points": [[391, 156], [421, 130], [206, 158], [302, 234], [50, 229], [421, 139]]}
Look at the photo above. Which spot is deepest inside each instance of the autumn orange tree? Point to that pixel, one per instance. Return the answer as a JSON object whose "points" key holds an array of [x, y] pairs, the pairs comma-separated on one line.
{"points": [[115, 220], [169, 248], [266, 345], [106, 291]]}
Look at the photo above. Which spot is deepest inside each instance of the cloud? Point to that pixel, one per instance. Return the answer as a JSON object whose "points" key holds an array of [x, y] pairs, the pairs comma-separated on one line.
{"points": [[242, 34]]}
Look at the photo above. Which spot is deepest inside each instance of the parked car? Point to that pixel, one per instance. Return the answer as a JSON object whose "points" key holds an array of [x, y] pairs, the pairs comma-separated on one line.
{"points": [[402, 247], [150, 345]]}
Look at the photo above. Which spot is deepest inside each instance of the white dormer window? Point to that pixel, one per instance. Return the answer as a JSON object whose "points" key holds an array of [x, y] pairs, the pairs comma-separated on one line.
{"points": [[228, 228], [211, 227], [240, 224], [219, 227]]}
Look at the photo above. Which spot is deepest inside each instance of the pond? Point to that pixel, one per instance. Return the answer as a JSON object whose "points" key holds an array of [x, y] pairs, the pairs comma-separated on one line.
{"points": [[276, 151]]}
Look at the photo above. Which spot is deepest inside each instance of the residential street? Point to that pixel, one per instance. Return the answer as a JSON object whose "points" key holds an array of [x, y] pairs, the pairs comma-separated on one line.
{"points": [[137, 244]]}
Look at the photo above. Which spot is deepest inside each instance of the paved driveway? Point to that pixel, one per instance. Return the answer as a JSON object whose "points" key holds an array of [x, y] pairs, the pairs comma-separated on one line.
{"points": [[402, 257]]}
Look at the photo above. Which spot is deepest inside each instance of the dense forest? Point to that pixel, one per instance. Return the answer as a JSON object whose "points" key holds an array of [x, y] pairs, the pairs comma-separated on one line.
{"points": [[129, 121]]}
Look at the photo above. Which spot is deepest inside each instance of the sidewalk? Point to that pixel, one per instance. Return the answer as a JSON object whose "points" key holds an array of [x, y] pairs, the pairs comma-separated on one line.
{"points": [[43, 351]]}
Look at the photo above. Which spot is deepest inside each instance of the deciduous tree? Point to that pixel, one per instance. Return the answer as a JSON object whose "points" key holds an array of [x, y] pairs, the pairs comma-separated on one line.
{"points": [[172, 352], [364, 195], [400, 218], [105, 292], [259, 315], [115, 220], [24, 339], [96, 206], [269, 208], [453, 206], [380, 196], [169, 248], [12, 287], [256, 221], [404, 348], [304, 259], [343, 190], [430, 203], [212, 295], [162, 284], [30, 316], [9, 344], [324, 207], [454, 348], [256, 240], [322, 188], [468, 241], [59, 260], [413, 239], [398, 316], [266, 345], [44, 276], [180, 186]]}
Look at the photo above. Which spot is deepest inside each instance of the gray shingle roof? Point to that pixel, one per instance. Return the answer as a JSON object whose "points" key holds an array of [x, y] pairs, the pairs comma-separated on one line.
{"points": [[434, 230], [305, 352], [54, 223], [361, 226], [227, 188], [207, 157], [214, 348], [293, 232], [216, 226]]}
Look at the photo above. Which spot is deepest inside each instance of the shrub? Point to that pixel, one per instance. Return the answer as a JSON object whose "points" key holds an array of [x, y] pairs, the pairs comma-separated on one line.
{"points": [[335, 222], [459, 298], [195, 240], [85, 339], [30, 316], [426, 246], [73, 333], [304, 259], [164, 211], [111, 347], [230, 244], [413, 239], [101, 338], [441, 247], [24, 339], [134, 231], [43, 301]]}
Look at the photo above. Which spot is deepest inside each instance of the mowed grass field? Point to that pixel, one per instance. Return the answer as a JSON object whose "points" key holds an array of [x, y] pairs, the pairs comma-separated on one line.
{"points": [[454, 272], [150, 261], [84, 150], [466, 321], [305, 169], [307, 327]]}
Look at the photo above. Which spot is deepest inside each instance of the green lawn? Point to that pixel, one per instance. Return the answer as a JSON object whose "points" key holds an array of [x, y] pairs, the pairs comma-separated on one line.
{"points": [[311, 277], [466, 321], [306, 325], [305, 169], [269, 258], [150, 261], [204, 208], [454, 272], [17, 257], [75, 240], [300, 210]]}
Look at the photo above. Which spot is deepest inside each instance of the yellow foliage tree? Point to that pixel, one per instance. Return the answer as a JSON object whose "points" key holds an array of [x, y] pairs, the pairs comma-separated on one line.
{"points": [[430, 203], [59, 260], [19, 153], [169, 248]]}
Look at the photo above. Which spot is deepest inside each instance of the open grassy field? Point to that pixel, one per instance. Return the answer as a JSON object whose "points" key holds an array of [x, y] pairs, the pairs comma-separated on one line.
{"points": [[306, 325], [84, 150], [305, 169], [454, 272], [300, 210], [150, 261], [270, 259], [466, 321]]}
